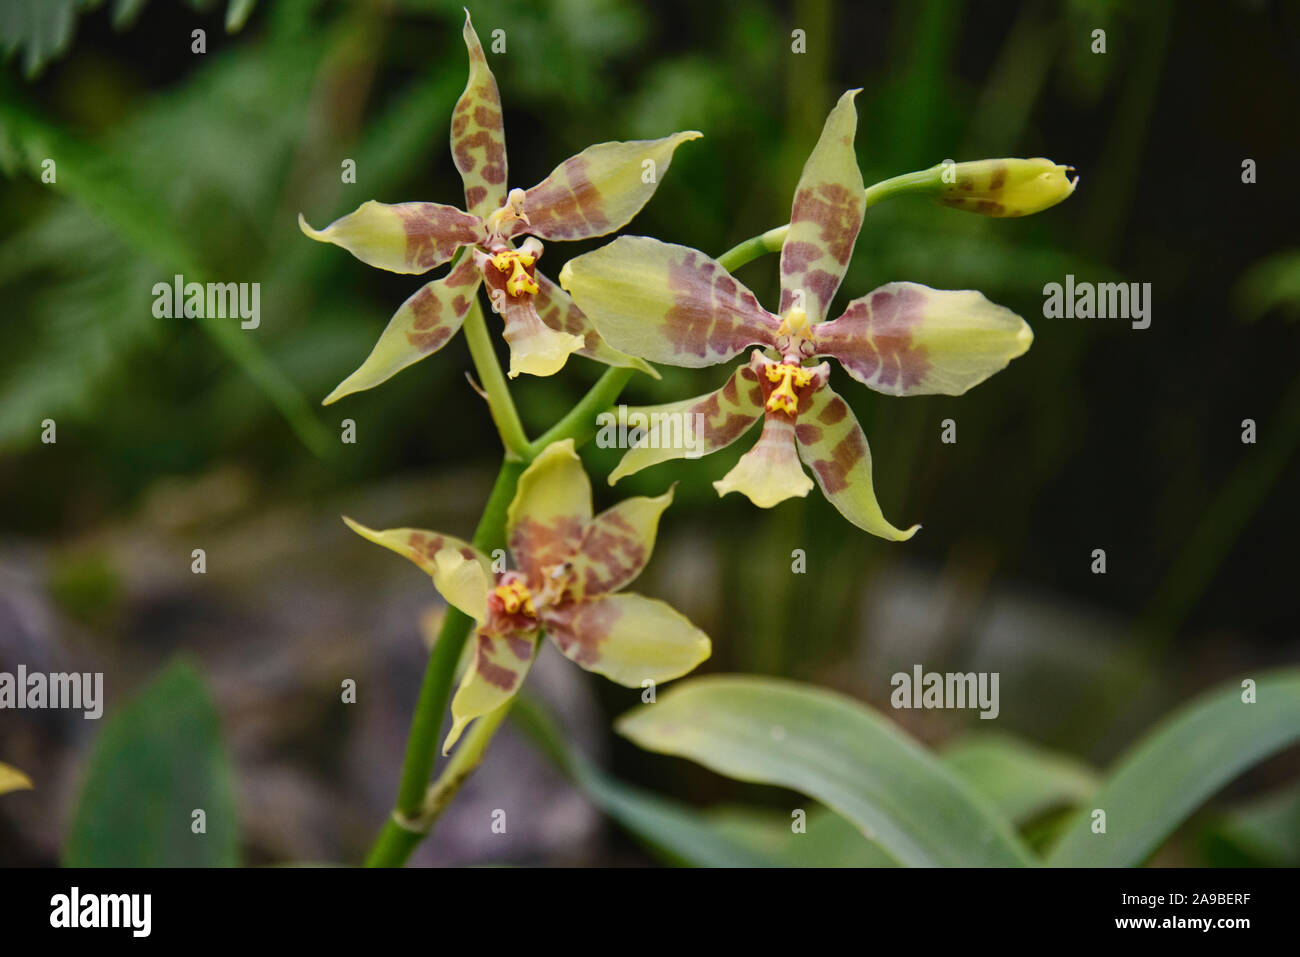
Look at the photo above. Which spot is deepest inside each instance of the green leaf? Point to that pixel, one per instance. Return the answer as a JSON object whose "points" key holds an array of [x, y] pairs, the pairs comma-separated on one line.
{"points": [[1188, 757], [1265, 831], [836, 750], [675, 832], [827, 841], [680, 834], [156, 761], [237, 14], [42, 29], [103, 183], [1023, 781]]}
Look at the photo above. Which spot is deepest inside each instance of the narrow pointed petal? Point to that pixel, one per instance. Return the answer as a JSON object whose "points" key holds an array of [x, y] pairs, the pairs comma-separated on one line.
{"points": [[462, 581], [628, 638], [459, 571], [551, 508], [599, 190], [11, 779], [770, 472], [495, 674], [420, 327], [909, 339], [833, 445], [562, 314], [617, 545], [478, 138], [691, 428], [405, 237], [829, 204], [666, 303]]}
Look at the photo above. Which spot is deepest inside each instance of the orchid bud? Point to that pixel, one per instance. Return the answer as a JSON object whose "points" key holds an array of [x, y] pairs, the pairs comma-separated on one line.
{"points": [[1004, 187]]}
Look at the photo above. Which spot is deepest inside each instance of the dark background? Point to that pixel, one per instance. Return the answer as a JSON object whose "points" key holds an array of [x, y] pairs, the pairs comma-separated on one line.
{"points": [[173, 434]]}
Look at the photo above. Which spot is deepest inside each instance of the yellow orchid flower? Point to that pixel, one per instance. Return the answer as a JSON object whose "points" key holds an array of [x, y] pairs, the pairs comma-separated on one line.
{"points": [[591, 194], [570, 569]]}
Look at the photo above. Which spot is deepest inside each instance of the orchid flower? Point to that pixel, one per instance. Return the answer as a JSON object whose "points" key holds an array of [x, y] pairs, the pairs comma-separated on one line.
{"points": [[570, 569], [591, 194], [671, 304]]}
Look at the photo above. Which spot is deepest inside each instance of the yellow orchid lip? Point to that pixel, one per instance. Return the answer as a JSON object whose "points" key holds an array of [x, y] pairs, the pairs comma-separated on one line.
{"points": [[790, 377], [515, 597], [516, 262]]}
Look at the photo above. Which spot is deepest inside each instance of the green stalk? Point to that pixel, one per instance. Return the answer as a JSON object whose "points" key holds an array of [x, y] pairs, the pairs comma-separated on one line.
{"points": [[403, 830], [500, 404], [580, 423], [920, 181]]}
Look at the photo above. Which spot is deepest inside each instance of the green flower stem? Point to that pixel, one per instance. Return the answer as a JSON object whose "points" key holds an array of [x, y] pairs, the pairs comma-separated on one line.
{"points": [[500, 404], [467, 757], [580, 423], [406, 826], [752, 248], [418, 803], [921, 181]]}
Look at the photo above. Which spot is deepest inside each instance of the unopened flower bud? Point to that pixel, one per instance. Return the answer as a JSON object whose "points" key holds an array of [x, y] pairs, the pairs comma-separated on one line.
{"points": [[1004, 187]]}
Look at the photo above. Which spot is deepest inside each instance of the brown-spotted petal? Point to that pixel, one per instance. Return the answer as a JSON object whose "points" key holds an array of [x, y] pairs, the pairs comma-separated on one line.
{"points": [[909, 339], [770, 472], [478, 139], [599, 190], [495, 674], [666, 303], [535, 347], [421, 326], [627, 638], [690, 428], [459, 571], [616, 545], [550, 511], [829, 204], [402, 237], [834, 447], [561, 313]]}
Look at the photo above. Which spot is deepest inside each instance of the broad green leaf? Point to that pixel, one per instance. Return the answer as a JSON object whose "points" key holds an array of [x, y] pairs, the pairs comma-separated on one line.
{"points": [[827, 841], [157, 760], [1022, 780], [1173, 770], [836, 750], [676, 832], [681, 834]]}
